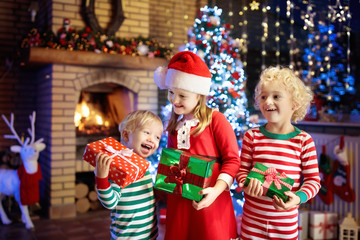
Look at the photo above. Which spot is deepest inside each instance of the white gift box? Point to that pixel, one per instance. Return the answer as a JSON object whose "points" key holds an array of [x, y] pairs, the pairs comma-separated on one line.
{"points": [[303, 222], [323, 225]]}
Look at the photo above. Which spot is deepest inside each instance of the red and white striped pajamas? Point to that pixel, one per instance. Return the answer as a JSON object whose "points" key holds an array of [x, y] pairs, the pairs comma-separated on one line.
{"points": [[295, 155]]}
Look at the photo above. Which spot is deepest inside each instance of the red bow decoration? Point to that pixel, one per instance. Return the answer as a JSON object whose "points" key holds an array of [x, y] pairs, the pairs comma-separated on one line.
{"points": [[177, 176], [271, 176], [180, 174]]}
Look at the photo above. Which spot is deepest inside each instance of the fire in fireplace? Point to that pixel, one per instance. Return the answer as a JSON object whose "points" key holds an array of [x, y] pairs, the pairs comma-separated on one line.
{"points": [[99, 111], [92, 116]]}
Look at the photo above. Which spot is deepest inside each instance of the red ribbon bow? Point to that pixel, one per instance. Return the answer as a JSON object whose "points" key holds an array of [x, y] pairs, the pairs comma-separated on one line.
{"points": [[177, 175], [271, 176], [324, 227], [180, 174]]}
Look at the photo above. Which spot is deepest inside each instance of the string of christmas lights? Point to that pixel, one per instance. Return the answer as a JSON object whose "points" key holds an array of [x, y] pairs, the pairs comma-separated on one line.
{"points": [[264, 38], [341, 14], [290, 15], [170, 34], [244, 36], [277, 33], [309, 25]]}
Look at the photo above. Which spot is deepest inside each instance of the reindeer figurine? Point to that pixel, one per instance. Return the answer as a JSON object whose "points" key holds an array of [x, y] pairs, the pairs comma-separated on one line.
{"points": [[26, 178]]}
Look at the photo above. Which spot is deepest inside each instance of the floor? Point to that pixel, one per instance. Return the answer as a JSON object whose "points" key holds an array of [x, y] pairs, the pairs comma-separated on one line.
{"points": [[93, 225]]}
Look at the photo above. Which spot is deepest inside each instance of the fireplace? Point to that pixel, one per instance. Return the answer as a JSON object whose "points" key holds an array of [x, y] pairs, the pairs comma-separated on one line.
{"points": [[62, 90], [99, 111]]}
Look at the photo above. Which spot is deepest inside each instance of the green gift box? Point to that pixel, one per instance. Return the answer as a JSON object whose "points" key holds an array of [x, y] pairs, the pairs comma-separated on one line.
{"points": [[183, 173], [273, 182]]}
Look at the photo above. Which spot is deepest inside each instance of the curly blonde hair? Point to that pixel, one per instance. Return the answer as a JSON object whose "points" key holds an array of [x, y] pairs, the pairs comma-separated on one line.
{"points": [[138, 119], [301, 94]]}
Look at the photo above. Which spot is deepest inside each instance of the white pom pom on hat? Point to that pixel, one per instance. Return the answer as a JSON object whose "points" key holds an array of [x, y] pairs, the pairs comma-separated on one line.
{"points": [[186, 71], [159, 77]]}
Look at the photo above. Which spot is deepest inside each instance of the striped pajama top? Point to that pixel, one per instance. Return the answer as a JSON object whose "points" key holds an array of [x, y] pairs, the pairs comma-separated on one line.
{"points": [[294, 154], [133, 211]]}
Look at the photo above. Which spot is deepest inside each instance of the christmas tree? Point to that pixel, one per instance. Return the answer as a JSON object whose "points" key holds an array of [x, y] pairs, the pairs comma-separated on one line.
{"points": [[327, 71], [210, 39]]}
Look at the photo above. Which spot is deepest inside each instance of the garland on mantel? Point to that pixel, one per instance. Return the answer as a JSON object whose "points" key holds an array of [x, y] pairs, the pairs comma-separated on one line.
{"points": [[87, 40]]}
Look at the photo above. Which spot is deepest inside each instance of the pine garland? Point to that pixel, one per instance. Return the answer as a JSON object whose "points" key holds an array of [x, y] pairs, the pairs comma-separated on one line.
{"points": [[88, 40]]}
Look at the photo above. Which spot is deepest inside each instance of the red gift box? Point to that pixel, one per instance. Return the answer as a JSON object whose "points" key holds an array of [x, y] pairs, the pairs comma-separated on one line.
{"points": [[127, 166]]}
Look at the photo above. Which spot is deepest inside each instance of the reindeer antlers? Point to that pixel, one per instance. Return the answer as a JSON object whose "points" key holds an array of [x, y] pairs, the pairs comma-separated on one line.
{"points": [[11, 126], [15, 135], [32, 131]]}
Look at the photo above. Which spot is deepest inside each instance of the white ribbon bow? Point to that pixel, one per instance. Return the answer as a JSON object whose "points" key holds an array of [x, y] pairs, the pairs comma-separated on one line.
{"points": [[123, 154]]}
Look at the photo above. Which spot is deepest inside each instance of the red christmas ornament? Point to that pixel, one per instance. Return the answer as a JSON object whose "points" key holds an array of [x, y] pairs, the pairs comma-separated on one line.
{"points": [[128, 50], [233, 93], [62, 41], [235, 75], [50, 44]]}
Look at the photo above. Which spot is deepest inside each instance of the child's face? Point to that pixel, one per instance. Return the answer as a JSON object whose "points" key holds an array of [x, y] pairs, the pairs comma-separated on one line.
{"points": [[276, 103], [184, 102], [145, 140]]}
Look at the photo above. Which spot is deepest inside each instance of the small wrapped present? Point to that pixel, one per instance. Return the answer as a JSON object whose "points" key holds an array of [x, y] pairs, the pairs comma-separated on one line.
{"points": [[303, 221], [183, 173], [323, 225], [274, 183], [127, 166]]}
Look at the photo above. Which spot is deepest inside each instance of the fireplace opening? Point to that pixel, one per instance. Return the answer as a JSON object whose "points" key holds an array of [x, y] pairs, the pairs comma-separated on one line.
{"points": [[92, 115], [99, 111]]}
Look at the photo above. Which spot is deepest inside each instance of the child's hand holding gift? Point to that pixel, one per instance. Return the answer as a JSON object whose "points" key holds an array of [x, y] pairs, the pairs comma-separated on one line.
{"points": [[254, 188], [210, 193], [102, 167], [292, 201]]}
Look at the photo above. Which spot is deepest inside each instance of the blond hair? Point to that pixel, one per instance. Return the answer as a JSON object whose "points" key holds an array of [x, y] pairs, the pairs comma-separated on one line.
{"points": [[301, 94], [138, 119], [202, 112]]}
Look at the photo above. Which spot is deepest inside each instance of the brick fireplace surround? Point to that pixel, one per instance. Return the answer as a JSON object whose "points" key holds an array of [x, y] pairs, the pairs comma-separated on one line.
{"points": [[60, 86]]}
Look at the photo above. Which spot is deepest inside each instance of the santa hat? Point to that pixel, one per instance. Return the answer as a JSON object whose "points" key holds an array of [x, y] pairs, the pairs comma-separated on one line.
{"points": [[186, 71]]}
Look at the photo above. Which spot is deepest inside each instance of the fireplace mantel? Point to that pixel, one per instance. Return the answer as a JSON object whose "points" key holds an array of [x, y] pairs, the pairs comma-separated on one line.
{"points": [[39, 55]]}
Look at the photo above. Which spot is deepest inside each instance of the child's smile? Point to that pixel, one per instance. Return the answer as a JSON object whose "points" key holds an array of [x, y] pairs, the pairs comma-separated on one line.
{"points": [[146, 146]]}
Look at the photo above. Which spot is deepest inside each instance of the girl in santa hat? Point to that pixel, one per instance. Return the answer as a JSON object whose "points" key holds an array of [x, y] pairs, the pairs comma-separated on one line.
{"points": [[198, 129]]}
